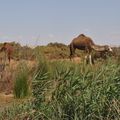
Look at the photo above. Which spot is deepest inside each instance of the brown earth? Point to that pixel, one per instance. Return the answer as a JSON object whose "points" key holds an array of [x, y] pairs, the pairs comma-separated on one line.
{"points": [[5, 101]]}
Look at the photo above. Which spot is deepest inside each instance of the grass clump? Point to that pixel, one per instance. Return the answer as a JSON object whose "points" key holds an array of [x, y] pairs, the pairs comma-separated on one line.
{"points": [[21, 86]]}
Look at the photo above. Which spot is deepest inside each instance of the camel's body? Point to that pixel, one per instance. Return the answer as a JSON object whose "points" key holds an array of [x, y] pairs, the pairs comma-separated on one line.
{"points": [[99, 55], [81, 42], [8, 49], [85, 43]]}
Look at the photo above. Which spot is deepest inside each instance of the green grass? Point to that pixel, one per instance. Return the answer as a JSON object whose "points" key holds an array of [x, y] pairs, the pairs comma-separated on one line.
{"points": [[18, 111], [69, 91]]}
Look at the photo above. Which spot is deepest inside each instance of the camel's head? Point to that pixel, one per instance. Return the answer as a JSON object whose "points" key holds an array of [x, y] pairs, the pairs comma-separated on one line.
{"points": [[108, 48]]}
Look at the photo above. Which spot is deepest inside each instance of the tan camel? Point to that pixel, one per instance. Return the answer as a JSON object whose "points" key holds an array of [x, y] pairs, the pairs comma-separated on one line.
{"points": [[85, 43], [8, 49]]}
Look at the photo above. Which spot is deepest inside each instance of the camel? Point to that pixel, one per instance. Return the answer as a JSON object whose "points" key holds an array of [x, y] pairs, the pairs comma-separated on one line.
{"points": [[82, 42], [8, 49], [99, 55]]}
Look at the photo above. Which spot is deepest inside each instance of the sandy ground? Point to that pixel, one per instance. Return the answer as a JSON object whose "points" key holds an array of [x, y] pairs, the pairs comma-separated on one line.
{"points": [[5, 101]]}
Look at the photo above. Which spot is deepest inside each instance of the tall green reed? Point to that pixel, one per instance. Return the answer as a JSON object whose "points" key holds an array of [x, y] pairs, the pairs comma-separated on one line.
{"points": [[21, 85]]}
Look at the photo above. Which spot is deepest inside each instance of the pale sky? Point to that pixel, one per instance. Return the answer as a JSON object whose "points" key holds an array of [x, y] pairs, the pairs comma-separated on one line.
{"points": [[33, 22]]}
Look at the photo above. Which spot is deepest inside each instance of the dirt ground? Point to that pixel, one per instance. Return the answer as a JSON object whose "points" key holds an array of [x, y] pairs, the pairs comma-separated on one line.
{"points": [[5, 100]]}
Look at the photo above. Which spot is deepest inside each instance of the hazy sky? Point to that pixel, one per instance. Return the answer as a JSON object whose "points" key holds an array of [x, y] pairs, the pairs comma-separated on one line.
{"points": [[35, 22]]}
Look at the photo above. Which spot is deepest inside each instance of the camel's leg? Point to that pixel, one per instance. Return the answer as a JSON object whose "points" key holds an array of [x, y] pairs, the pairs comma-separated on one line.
{"points": [[9, 59], [72, 51], [5, 58], [93, 60], [90, 59], [86, 59]]}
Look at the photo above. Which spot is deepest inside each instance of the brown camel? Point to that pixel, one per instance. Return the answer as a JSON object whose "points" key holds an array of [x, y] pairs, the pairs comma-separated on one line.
{"points": [[85, 43], [99, 55], [8, 49]]}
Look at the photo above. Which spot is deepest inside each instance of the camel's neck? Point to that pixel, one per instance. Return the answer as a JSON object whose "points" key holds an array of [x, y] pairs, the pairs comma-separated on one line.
{"points": [[98, 48]]}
